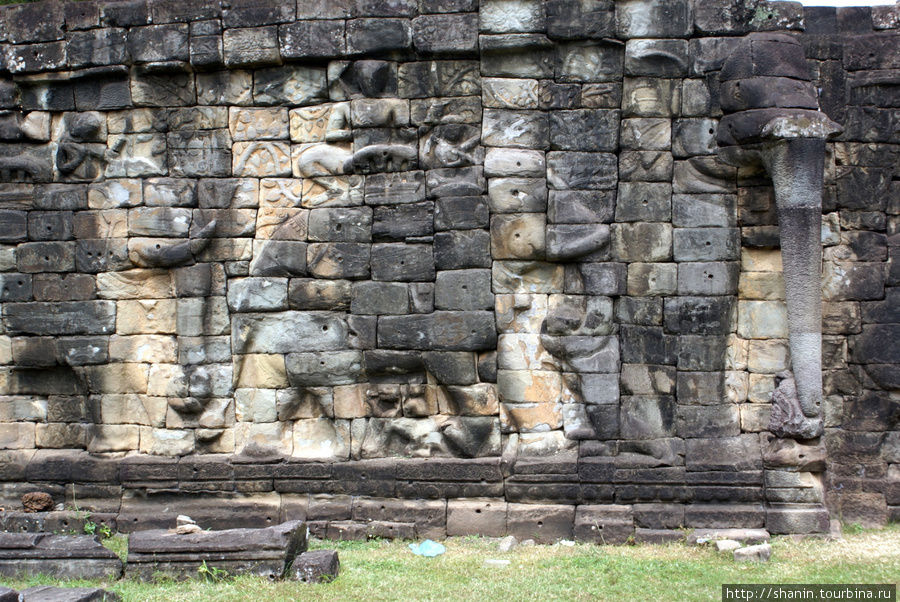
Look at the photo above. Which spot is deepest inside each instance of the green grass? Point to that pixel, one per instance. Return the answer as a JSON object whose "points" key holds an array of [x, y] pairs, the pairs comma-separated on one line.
{"points": [[382, 570]]}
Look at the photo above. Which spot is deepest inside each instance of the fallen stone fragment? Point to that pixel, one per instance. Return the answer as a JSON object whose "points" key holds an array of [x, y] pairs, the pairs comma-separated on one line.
{"points": [[317, 566], [47, 593], [267, 552], [727, 545], [752, 536], [760, 553], [508, 543], [58, 556]]}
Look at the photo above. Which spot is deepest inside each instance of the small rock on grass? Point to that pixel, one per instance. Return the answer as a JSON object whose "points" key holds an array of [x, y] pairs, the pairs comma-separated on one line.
{"points": [[508, 543], [727, 545], [759, 553]]}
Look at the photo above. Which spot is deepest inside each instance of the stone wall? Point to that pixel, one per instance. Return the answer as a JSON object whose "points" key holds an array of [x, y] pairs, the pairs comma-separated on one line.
{"points": [[476, 268]]}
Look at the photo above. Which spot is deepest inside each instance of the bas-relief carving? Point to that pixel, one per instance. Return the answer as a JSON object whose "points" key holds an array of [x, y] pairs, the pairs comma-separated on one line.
{"points": [[772, 119]]}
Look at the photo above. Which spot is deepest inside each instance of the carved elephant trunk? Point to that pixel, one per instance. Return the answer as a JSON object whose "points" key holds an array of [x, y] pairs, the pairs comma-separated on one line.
{"points": [[772, 118]]}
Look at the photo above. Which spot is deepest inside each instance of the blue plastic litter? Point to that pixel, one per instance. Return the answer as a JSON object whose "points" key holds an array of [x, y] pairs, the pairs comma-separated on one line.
{"points": [[427, 548]]}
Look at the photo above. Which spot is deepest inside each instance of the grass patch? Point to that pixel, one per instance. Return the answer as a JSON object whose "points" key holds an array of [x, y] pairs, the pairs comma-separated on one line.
{"points": [[387, 570]]}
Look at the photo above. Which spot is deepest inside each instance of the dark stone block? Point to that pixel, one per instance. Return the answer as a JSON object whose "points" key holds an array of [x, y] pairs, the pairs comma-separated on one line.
{"points": [[101, 255], [699, 315], [311, 39], [15, 287], [568, 170], [542, 523], [761, 237], [378, 36], [397, 222], [708, 421], [124, 13], [440, 331], [461, 213], [176, 11], [380, 298], [317, 566], [873, 412], [584, 130], [460, 249], [85, 15], [340, 224], [702, 353], [13, 226], [60, 197], [580, 19], [648, 345], [50, 225], [580, 206], [447, 34], [46, 257], [96, 47], [312, 294], [402, 263], [102, 93], [339, 260], [33, 22], [451, 368], [74, 317], [423, 79], [34, 352], [82, 351], [254, 13], [608, 279], [487, 367], [863, 188], [465, 290], [51, 96]]}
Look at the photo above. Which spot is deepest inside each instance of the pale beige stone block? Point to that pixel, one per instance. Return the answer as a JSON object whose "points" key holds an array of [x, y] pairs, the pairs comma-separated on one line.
{"points": [[117, 378], [150, 349], [522, 313], [17, 435], [737, 386], [115, 194], [761, 387], [523, 352], [333, 191], [167, 380], [755, 417], [321, 439], [255, 405], [264, 371], [762, 320], [768, 286], [529, 386], [350, 401], [165, 442], [769, 356], [135, 284], [282, 223], [280, 192], [258, 124], [132, 408], [146, 316], [263, 439], [761, 260], [261, 159], [5, 350], [22, 408], [530, 417], [104, 438]]}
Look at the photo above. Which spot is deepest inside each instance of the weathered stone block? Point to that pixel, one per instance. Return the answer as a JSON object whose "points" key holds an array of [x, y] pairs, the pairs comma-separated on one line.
{"points": [[450, 331], [581, 171], [460, 249]]}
